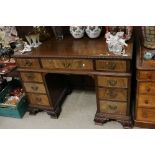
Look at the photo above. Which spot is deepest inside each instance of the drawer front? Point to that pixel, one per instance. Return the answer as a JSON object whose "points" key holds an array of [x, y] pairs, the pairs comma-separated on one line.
{"points": [[110, 65], [145, 114], [28, 63], [71, 64], [31, 77], [38, 99], [113, 94], [108, 81], [147, 75], [146, 101], [113, 107], [147, 88], [34, 88]]}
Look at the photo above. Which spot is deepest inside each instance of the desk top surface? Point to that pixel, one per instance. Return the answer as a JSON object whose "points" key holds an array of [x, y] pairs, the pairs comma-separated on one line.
{"points": [[76, 48]]}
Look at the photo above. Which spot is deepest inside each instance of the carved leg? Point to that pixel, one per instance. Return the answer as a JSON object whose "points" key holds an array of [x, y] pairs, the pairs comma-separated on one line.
{"points": [[68, 91], [33, 111], [127, 124], [54, 113], [100, 120]]}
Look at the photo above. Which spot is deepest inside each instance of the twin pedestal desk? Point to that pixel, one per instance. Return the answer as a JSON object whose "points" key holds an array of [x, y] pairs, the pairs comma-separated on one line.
{"points": [[43, 72]]}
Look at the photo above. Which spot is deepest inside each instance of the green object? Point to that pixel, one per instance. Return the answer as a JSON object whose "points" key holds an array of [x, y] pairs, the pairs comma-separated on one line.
{"points": [[17, 111]]}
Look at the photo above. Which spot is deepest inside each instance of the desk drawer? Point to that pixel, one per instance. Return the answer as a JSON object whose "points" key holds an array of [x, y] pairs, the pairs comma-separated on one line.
{"points": [[69, 64], [146, 101], [146, 75], [147, 88], [108, 81], [113, 107], [113, 94], [28, 63], [110, 65], [34, 88], [145, 114], [31, 77], [38, 99]]}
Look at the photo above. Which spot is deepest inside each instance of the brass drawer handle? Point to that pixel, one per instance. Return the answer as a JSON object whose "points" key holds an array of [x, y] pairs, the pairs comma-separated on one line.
{"points": [[35, 88], [38, 99], [28, 63], [148, 89], [111, 93], [146, 101], [30, 76], [112, 82], [111, 65], [66, 65], [150, 76], [112, 107]]}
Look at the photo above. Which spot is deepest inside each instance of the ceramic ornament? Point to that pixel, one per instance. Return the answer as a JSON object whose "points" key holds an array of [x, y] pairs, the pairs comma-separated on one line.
{"points": [[77, 31], [116, 43], [93, 31], [38, 39]]}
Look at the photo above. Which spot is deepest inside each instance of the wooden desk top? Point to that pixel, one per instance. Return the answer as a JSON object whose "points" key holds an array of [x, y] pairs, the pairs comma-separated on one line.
{"points": [[76, 48]]}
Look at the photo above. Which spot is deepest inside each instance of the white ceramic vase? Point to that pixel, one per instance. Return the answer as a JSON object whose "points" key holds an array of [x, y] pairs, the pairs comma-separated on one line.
{"points": [[93, 31], [77, 31]]}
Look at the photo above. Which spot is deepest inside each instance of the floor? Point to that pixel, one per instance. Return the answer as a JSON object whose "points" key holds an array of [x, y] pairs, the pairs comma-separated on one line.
{"points": [[78, 112]]}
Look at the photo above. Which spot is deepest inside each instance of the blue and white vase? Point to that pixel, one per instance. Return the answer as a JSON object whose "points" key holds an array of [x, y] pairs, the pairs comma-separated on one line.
{"points": [[93, 31]]}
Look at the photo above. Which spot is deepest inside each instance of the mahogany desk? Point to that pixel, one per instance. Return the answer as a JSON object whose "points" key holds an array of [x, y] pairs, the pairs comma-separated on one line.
{"points": [[112, 75]]}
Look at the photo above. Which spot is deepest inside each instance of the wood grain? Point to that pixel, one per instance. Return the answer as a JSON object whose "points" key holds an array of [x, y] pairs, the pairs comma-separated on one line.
{"points": [[108, 81], [28, 63], [115, 94], [113, 107], [67, 64], [146, 101], [146, 114], [146, 75], [38, 99], [34, 87], [110, 65], [31, 77], [147, 88]]}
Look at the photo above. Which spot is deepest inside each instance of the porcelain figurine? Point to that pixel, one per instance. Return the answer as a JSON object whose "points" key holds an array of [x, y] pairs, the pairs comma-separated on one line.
{"points": [[148, 55], [29, 40], [77, 31], [116, 43], [93, 31], [10, 34], [38, 39], [126, 29]]}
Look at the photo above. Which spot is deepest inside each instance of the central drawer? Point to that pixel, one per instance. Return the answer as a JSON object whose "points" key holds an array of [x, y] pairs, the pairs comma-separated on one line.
{"points": [[113, 94], [34, 87], [108, 81], [110, 65], [113, 107], [28, 63], [69, 64], [38, 99]]}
